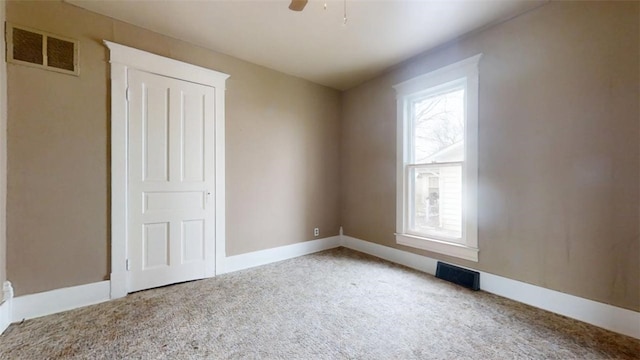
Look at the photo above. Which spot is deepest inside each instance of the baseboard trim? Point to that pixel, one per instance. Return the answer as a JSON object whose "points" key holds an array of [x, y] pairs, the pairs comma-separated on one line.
{"points": [[623, 321], [58, 300], [606, 316], [609, 317], [5, 306], [408, 259], [263, 257]]}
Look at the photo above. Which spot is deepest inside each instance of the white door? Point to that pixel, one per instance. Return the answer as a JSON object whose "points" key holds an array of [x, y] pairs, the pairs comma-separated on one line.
{"points": [[170, 180]]}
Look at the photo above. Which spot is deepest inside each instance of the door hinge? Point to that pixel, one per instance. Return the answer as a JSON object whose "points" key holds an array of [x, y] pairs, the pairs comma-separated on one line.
{"points": [[128, 93], [127, 264]]}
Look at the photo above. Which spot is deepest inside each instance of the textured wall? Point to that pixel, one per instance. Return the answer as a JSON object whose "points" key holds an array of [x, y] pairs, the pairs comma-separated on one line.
{"points": [[559, 154], [281, 152], [3, 152], [558, 149]]}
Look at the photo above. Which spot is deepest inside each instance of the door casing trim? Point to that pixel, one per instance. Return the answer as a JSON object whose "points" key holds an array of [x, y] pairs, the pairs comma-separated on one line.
{"points": [[121, 59]]}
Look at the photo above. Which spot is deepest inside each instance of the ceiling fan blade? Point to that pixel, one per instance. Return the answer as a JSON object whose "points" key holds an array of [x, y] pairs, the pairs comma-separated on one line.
{"points": [[297, 5]]}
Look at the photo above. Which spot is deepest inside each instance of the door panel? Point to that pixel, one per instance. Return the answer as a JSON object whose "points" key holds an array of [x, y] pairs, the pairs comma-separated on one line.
{"points": [[156, 245], [192, 241], [155, 133], [170, 180], [183, 200], [193, 140]]}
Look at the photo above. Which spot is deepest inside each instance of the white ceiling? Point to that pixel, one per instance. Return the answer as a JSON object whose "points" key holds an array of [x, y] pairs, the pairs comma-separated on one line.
{"points": [[315, 44]]}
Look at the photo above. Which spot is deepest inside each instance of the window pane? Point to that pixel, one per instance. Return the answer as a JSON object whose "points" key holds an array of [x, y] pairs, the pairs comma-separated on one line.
{"points": [[436, 201], [438, 123]]}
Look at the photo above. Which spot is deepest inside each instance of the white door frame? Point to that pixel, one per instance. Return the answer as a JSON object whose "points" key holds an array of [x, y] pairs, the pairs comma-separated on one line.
{"points": [[122, 58]]}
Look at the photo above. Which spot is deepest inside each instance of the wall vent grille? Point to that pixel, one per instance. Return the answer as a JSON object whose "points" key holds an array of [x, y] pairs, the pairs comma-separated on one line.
{"points": [[457, 275], [40, 49]]}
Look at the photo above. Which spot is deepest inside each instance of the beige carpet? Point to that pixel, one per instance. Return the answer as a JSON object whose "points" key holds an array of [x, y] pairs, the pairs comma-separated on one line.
{"points": [[338, 304]]}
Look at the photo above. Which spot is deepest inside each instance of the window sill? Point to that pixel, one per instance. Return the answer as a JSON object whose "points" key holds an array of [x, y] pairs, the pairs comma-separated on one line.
{"points": [[438, 246]]}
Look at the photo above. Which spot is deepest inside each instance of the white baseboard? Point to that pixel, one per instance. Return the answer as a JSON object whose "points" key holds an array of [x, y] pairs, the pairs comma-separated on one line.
{"points": [[5, 316], [5, 306], [54, 301], [408, 259], [606, 316], [58, 300], [263, 257], [613, 318]]}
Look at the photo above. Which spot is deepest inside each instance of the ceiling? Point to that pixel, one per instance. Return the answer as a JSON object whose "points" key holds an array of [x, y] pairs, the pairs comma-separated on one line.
{"points": [[315, 44]]}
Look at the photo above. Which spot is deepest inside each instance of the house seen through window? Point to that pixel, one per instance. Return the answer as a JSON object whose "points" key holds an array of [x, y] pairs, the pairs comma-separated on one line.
{"points": [[438, 154]]}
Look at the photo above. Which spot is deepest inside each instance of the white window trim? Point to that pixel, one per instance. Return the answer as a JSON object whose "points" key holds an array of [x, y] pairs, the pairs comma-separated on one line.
{"points": [[467, 68]]}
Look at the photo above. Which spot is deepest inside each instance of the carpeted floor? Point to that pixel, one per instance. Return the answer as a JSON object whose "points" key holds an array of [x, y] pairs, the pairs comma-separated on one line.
{"points": [[337, 304]]}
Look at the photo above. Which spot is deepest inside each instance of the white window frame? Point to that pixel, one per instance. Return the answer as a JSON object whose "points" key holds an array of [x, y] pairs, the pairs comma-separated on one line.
{"points": [[406, 92]]}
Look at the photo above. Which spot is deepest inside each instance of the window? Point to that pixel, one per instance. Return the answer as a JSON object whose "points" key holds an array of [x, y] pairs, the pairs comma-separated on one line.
{"points": [[39, 49], [438, 161]]}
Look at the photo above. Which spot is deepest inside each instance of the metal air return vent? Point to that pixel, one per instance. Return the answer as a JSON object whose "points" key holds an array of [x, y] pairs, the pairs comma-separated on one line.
{"points": [[40, 49], [457, 275]]}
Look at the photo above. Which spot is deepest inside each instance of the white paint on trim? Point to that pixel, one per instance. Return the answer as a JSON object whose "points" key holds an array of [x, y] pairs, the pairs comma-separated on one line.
{"points": [[6, 306], [119, 151], [613, 318], [5, 316], [263, 257], [118, 284], [408, 259], [55, 301], [139, 59], [606, 316], [121, 59], [438, 246]]}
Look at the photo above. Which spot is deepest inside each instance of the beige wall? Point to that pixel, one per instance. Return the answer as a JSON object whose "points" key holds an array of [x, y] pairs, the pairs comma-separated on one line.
{"points": [[558, 149], [281, 152], [3, 152], [559, 154]]}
